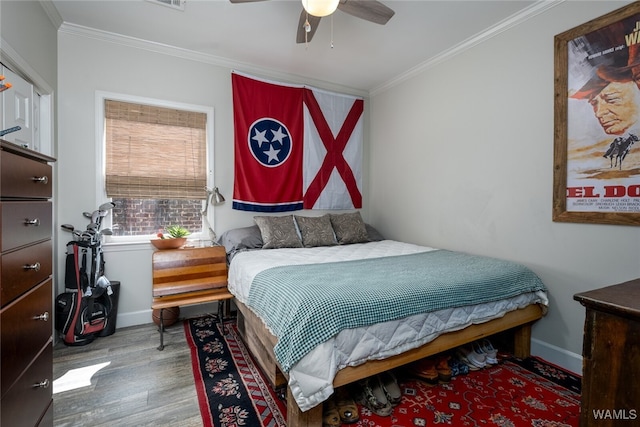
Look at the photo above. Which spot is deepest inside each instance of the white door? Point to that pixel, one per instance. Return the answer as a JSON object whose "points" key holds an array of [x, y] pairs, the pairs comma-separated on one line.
{"points": [[17, 109]]}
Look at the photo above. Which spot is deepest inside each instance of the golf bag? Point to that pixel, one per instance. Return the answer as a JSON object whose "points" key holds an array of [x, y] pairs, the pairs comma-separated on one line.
{"points": [[89, 305]]}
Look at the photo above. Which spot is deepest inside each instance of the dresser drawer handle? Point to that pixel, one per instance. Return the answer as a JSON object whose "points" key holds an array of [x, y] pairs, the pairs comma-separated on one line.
{"points": [[40, 179], [34, 222], [42, 384], [44, 317], [35, 267]]}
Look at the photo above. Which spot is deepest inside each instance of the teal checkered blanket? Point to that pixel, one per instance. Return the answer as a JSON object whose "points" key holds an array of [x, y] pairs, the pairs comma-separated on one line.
{"points": [[304, 305]]}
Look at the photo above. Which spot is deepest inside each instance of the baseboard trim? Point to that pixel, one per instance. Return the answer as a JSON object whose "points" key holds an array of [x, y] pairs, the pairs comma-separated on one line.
{"points": [[558, 356], [144, 316]]}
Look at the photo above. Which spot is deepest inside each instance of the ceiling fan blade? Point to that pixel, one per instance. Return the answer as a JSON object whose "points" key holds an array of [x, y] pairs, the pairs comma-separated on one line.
{"points": [[244, 1], [369, 10], [314, 21]]}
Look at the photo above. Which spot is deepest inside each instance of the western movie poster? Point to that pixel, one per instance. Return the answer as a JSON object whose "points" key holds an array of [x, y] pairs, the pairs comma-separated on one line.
{"points": [[603, 119]]}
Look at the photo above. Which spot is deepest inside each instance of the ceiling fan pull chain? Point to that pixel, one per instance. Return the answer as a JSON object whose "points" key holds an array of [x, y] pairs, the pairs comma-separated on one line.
{"points": [[331, 31], [307, 30]]}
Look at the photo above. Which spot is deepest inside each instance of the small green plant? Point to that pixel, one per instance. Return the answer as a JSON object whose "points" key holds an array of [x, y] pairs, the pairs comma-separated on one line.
{"points": [[174, 231]]}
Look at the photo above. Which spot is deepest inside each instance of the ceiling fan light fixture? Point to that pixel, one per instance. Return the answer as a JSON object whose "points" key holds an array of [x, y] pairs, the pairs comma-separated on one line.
{"points": [[320, 7]]}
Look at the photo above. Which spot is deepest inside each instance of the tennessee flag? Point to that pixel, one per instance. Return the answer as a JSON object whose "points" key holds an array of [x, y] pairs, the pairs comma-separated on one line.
{"points": [[333, 133], [268, 129]]}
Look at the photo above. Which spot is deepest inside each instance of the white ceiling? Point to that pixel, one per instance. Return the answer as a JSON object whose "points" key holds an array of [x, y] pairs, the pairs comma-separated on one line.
{"points": [[261, 35]]}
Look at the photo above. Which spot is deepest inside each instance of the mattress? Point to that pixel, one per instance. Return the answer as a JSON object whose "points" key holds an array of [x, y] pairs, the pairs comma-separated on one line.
{"points": [[311, 378]]}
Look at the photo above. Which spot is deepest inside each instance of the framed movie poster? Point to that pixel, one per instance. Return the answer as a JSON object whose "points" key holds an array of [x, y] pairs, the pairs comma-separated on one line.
{"points": [[597, 120]]}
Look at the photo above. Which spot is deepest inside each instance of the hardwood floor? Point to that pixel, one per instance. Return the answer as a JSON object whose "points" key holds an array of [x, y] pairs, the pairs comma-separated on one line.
{"points": [[140, 387]]}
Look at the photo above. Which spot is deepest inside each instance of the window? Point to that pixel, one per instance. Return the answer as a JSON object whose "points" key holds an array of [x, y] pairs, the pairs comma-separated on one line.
{"points": [[156, 164]]}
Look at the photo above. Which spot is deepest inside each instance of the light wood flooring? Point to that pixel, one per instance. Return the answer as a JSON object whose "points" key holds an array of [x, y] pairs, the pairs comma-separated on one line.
{"points": [[140, 387]]}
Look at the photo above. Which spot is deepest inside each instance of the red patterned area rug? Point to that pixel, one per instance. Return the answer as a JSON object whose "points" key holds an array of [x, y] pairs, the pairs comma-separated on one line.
{"points": [[514, 393], [531, 392], [231, 390]]}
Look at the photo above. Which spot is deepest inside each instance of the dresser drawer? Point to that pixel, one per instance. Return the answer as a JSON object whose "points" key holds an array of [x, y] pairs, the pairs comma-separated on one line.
{"points": [[30, 398], [24, 178], [24, 223], [25, 331], [23, 269]]}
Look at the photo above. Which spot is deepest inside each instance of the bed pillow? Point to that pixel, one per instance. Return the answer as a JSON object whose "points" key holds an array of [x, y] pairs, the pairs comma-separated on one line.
{"points": [[315, 230], [278, 232], [374, 235], [349, 228], [241, 238]]}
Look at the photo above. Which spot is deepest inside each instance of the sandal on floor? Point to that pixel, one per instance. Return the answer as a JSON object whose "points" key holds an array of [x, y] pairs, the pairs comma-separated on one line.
{"points": [[443, 369], [390, 387], [346, 406], [330, 416], [372, 396], [425, 369]]}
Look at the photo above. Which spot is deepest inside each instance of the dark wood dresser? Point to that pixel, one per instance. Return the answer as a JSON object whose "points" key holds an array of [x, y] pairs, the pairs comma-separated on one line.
{"points": [[26, 290], [611, 356]]}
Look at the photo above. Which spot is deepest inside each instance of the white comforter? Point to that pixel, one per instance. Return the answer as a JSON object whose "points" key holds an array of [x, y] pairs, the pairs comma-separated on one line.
{"points": [[311, 379]]}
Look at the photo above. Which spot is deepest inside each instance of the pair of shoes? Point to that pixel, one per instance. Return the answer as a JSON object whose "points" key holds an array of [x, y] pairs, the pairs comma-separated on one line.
{"points": [[443, 369], [458, 367], [390, 387], [330, 415], [373, 397], [471, 358], [425, 369], [491, 354], [346, 406]]}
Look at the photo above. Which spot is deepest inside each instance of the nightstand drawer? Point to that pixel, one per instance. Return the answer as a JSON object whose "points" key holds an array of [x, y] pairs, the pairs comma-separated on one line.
{"points": [[24, 223], [23, 269]]}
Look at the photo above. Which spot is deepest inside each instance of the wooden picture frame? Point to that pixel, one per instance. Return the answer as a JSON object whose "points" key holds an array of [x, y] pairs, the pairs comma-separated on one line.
{"points": [[596, 175]]}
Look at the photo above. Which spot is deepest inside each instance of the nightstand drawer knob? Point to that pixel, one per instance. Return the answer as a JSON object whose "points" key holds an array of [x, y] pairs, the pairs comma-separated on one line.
{"points": [[40, 179], [42, 384], [34, 222], [44, 317], [35, 267]]}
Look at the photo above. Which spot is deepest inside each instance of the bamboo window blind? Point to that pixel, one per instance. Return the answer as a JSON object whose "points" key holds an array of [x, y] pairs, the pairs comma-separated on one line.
{"points": [[154, 152]]}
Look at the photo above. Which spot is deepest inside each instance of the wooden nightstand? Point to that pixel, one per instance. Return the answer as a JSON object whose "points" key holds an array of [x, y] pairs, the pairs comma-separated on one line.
{"points": [[189, 276], [611, 355]]}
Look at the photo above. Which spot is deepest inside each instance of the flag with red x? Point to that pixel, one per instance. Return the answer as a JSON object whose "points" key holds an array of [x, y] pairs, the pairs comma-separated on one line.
{"points": [[332, 159]]}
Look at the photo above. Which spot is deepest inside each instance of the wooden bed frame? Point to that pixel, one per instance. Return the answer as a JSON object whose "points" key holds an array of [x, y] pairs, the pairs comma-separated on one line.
{"points": [[260, 343]]}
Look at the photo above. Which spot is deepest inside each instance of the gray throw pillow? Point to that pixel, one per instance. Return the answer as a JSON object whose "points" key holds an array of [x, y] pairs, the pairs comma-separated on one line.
{"points": [[316, 231], [278, 232], [349, 228]]}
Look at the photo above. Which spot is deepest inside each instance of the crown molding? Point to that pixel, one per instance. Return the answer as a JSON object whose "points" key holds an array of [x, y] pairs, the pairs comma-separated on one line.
{"points": [[52, 12], [516, 19], [177, 52]]}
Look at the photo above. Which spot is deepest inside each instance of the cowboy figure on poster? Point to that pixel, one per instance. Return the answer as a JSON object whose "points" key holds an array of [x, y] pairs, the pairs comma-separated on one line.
{"points": [[603, 119]]}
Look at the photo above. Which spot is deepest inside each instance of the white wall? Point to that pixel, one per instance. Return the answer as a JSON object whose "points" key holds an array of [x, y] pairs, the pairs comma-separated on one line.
{"points": [[470, 144], [89, 64]]}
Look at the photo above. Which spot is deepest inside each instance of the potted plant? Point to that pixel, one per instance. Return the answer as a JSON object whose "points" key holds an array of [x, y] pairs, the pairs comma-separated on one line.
{"points": [[174, 238]]}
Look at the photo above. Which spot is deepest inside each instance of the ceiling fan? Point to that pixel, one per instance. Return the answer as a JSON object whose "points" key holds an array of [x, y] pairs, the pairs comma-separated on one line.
{"points": [[369, 10]]}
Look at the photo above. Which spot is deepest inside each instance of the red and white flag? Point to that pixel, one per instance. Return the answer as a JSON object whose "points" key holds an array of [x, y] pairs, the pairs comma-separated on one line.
{"points": [[333, 134], [268, 145], [295, 147]]}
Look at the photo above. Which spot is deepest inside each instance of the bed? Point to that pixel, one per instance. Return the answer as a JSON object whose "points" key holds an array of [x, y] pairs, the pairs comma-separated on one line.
{"points": [[312, 326]]}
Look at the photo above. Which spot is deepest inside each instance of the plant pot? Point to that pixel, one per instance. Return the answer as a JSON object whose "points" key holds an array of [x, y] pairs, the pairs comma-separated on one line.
{"points": [[173, 243]]}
